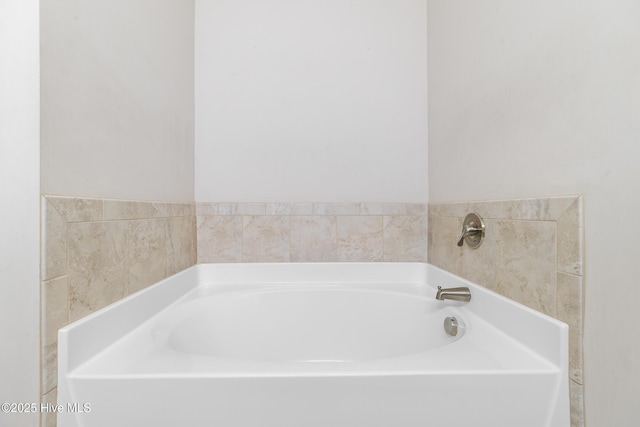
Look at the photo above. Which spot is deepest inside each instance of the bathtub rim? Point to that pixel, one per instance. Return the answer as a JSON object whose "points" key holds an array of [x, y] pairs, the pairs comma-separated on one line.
{"points": [[116, 319]]}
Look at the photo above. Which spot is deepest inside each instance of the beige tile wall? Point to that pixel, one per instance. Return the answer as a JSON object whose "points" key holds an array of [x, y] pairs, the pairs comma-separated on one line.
{"points": [[532, 253], [95, 252], [311, 232]]}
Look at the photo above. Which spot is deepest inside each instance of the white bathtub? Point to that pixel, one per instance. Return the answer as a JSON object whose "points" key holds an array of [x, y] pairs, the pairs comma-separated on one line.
{"points": [[313, 345]]}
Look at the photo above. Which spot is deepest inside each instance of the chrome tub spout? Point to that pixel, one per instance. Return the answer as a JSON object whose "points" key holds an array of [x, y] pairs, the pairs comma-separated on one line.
{"points": [[456, 294]]}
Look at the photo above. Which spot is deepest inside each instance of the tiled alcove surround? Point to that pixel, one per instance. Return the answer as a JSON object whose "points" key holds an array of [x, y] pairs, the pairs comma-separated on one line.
{"points": [[311, 232], [532, 253], [95, 252], [124, 246]]}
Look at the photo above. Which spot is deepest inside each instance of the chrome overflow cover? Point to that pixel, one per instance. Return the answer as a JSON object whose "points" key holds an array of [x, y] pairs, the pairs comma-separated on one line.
{"points": [[451, 326]]}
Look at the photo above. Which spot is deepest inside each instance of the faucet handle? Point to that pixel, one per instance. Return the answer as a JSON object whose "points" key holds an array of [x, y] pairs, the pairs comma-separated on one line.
{"points": [[472, 231], [468, 230]]}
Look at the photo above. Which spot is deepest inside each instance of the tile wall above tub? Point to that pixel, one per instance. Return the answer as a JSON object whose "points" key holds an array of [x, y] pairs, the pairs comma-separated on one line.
{"points": [[532, 253], [311, 232]]}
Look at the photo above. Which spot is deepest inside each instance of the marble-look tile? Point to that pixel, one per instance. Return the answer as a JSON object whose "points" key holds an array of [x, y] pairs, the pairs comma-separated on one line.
{"points": [[98, 265], [478, 265], [54, 308], [242, 208], [458, 210], [54, 316], [405, 238], [177, 209], [49, 366], [75, 209], [131, 209], [289, 209], [569, 307], [570, 239], [526, 263], [206, 209], [152, 210], [265, 239], [121, 209], [442, 238], [434, 209], [147, 253], [360, 238], [417, 209], [499, 209], [219, 238], [336, 209], [49, 417], [545, 209], [313, 239], [189, 209], [181, 243], [576, 393], [383, 209], [54, 242]]}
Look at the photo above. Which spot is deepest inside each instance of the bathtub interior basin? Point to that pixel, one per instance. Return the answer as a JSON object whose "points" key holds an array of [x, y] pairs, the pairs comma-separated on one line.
{"points": [[346, 345], [306, 323]]}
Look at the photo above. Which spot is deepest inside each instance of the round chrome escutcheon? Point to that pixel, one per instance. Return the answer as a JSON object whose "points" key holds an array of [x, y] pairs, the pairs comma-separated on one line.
{"points": [[474, 222]]}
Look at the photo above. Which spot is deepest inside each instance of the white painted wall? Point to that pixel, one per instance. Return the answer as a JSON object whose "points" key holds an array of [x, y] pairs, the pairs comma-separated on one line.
{"points": [[19, 208], [117, 98], [305, 100], [542, 98]]}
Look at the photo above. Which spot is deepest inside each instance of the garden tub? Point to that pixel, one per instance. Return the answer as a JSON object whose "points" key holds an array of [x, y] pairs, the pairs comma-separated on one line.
{"points": [[313, 345]]}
